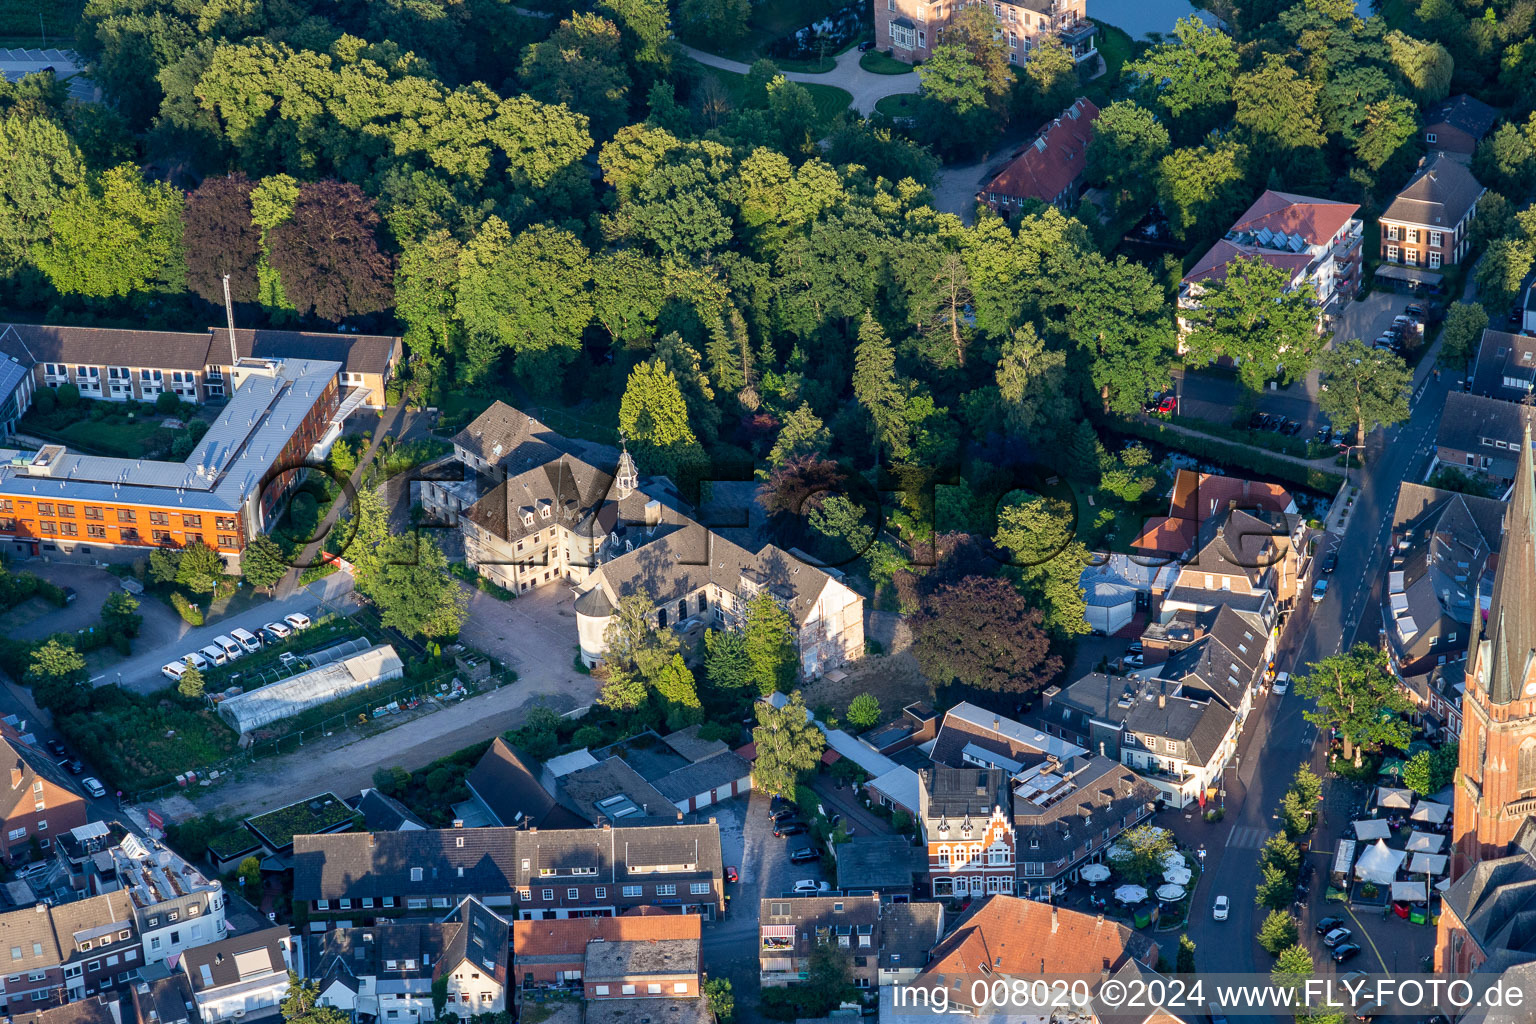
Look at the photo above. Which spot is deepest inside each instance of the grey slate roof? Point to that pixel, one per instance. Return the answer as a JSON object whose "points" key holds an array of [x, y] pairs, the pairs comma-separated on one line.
{"points": [[1467, 113], [1468, 420], [591, 793], [702, 776], [1226, 662], [383, 813], [1439, 195], [879, 863], [1510, 633], [959, 794], [163, 1001], [236, 959], [1195, 727], [488, 861], [511, 790], [192, 350], [1502, 357], [1106, 796], [357, 353], [908, 932]]}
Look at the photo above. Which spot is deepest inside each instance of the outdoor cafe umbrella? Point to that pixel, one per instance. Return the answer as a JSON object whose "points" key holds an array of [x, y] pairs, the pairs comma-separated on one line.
{"points": [[1173, 860], [1094, 873], [1130, 894], [1170, 893], [1392, 766], [1178, 876], [1118, 852]]}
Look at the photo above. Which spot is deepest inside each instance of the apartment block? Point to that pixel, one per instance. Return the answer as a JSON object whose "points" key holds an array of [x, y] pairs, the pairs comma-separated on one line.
{"points": [[1429, 223], [910, 29]]}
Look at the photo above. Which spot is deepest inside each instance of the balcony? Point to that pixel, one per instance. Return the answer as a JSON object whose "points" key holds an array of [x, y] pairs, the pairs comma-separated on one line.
{"points": [[1078, 35]]}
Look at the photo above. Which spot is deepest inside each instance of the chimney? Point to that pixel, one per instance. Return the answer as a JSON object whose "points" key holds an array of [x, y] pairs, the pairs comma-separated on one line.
{"points": [[229, 318], [1055, 918], [1162, 700], [1101, 748]]}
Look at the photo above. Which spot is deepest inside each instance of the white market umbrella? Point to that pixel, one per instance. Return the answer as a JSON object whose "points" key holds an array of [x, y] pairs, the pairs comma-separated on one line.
{"points": [[1173, 860], [1170, 893], [1178, 876], [1094, 873], [1130, 894], [1118, 852]]}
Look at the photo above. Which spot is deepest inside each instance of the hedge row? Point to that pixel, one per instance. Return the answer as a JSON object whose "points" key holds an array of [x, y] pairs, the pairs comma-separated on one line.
{"points": [[1234, 455]]}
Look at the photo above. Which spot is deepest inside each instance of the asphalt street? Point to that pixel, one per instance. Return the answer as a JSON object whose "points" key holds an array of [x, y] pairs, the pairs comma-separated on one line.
{"points": [[1277, 738]]}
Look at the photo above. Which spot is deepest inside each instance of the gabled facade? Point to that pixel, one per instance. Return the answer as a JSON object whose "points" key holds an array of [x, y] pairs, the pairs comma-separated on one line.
{"points": [[1455, 125], [1497, 778], [791, 927], [242, 976], [38, 799], [1429, 223], [1505, 367], [967, 824], [1480, 436], [1065, 816]]}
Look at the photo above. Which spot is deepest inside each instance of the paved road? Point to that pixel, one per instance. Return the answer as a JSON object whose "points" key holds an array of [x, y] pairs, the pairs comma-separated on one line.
{"points": [[1278, 738], [141, 671], [865, 87]]}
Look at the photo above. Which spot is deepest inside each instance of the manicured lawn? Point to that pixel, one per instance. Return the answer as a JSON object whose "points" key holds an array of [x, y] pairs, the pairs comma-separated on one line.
{"points": [[880, 62], [114, 435], [900, 105], [1116, 47], [59, 19], [810, 67]]}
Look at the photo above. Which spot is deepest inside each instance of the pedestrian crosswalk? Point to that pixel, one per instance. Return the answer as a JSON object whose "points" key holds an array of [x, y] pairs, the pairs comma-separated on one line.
{"points": [[1247, 838]]}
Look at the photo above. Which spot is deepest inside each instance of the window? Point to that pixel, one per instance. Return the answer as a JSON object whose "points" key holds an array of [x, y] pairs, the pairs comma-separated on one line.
{"points": [[699, 888], [628, 990], [1413, 235], [1437, 238], [192, 522], [415, 874], [922, 39], [67, 511], [1429, 137], [631, 890], [572, 893], [69, 529], [1525, 775], [1411, 257], [1434, 258], [601, 892], [600, 990], [679, 987], [420, 902], [653, 988], [159, 519], [92, 512], [903, 36], [1391, 254], [17, 833], [45, 508], [126, 515], [227, 541], [48, 526], [96, 531], [224, 522], [42, 826], [666, 890], [549, 894]]}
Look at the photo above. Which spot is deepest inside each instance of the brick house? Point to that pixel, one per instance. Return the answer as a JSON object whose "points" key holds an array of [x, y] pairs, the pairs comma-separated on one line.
{"points": [[967, 823], [910, 29], [1428, 224], [1505, 367], [532, 874], [791, 927], [1049, 169], [67, 952], [1455, 125], [554, 953], [637, 969], [1480, 436], [40, 803]]}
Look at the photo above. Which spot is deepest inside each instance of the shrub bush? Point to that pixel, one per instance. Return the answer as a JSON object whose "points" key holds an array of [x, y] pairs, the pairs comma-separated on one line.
{"points": [[189, 612]]}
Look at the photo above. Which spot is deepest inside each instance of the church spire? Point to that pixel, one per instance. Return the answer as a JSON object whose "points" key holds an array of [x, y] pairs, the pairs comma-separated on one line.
{"points": [[1511, 630], [628, 477]]}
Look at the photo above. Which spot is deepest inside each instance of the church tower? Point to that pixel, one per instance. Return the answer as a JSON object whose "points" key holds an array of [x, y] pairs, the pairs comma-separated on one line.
{"points": [[1496, 786]]}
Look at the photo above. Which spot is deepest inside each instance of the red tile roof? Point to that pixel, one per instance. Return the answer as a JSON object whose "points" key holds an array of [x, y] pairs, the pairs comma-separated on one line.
{"points": [[1197, 497], [1045, 168], [1216, 260], [569, 937], [1316, 220], [1011, 935]]}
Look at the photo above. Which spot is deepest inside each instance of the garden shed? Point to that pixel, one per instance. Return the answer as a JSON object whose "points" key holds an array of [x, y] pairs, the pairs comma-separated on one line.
{"points": [[343, 677]]}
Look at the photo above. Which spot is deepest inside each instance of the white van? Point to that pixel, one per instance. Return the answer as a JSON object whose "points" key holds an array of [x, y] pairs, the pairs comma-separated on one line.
{"points": [[215, 655], [198, 661], [246, 639], [174, 671], [232, 650], [298, 620]]}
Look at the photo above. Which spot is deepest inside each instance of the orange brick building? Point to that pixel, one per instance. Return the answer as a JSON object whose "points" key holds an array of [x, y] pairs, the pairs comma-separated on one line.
{"points": [[283, 415], [38, 800], [1496, 790]]}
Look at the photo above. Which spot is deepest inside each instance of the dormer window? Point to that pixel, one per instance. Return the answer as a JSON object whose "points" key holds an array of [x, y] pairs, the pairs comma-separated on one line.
{"points": [[527, 515], [415, 874]]}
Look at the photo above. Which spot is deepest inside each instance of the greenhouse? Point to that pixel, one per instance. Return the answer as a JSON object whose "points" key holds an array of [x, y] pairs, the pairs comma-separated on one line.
{"points": [[340, 678]]}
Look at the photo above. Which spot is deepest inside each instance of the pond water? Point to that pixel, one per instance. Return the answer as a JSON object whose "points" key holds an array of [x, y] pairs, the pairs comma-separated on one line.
{"points": [[1140, 18]]}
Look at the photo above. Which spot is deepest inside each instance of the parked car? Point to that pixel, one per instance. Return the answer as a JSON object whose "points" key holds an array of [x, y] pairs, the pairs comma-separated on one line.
{"points": [[215, 655], [231, 649], [804, 855], [278, 630], [1337, 936], [1319, 591], [810, 885], [1328, 924], [1282, 683], [1331, 562], [70, 595], [1414, 309], [1168, 403], [298, 620], [174, 670], [866, 45], [1367, 1010], [93, 786], [1133, 661], [198, 661], [246, 639], [1220, 909], [731, 875], [782, 814], [1344, 952], [1134, 647], [785, 831], [74, 766]]}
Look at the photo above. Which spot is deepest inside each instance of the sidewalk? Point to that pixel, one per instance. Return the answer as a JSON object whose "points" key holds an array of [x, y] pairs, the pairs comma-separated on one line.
{"points": [[866, 87]]}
